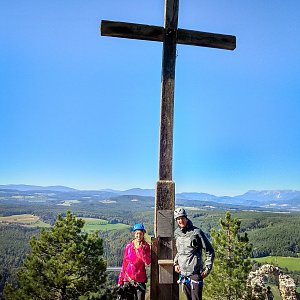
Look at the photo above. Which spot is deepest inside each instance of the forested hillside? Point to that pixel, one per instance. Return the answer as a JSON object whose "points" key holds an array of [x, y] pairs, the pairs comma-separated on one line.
{"points": [[14, 245], [270, 233]]}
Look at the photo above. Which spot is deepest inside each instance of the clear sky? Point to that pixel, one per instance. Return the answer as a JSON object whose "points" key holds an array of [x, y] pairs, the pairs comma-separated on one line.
{"points": [[82, 110]]}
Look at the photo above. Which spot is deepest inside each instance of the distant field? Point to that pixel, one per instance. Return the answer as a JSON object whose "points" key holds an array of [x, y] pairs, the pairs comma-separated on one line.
{"points": [[34, 221], [291, 263], [24, 220], [69, 202], [103, 225]]}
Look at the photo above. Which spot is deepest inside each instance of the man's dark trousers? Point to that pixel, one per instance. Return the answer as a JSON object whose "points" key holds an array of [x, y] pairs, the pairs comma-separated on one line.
{"points": [[193, 291]]}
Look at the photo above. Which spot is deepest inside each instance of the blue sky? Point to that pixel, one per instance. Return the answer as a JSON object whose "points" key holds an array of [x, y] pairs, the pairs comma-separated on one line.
{"points": [[82, 110]]}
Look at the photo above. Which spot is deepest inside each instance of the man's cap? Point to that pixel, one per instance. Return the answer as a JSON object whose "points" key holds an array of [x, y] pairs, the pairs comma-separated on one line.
{"points": [[179, 212]]}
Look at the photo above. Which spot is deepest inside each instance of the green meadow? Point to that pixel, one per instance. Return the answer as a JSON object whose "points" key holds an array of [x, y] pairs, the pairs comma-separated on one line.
{"points": [[291, 263], [92, 224]]}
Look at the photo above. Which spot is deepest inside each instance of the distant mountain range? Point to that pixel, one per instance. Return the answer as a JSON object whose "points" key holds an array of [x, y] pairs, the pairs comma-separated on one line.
{"points": [[25, 188], [268, 199]]}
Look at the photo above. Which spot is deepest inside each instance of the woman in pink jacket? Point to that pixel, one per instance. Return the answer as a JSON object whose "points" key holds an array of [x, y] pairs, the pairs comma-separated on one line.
{"points": [[133, 275]]}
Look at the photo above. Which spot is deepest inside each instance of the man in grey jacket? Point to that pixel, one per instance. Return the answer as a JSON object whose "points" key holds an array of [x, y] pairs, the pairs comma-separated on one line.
{"points": [[188, 262]]}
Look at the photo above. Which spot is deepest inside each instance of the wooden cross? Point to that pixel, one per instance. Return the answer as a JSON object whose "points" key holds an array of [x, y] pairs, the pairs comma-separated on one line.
{"points": [[163, 279]]}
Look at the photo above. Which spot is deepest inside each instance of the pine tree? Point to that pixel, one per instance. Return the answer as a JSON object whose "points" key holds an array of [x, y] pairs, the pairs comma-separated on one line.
{"points": [[228, 278], [64, 263]]}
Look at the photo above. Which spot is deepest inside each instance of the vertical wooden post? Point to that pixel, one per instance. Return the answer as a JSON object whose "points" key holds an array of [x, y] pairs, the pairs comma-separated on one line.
{"points": [[163, 243], [162, 248]]}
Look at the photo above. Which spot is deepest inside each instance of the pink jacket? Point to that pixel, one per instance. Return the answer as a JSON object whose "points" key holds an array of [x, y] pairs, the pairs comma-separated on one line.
{"points": [[134, 260]]}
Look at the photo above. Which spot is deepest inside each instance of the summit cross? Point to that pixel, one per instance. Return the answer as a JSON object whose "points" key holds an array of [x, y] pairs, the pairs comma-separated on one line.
{"points": [[163, 279]]}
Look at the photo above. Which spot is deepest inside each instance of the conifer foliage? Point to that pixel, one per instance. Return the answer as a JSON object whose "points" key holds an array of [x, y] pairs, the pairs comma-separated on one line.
{"points": [[64, 263], [228, 278]]}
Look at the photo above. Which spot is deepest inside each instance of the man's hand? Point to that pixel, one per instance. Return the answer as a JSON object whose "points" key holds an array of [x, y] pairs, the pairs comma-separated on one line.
{"points": [[177, 268], [204, 274]]}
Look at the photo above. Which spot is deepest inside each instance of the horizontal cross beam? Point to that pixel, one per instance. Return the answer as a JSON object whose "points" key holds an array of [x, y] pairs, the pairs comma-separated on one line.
{"points": [[156, 33]]}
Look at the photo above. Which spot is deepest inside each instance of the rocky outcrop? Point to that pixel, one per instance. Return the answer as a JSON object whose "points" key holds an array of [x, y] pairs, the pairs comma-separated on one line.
{"points": [[287, 287], [286, 284]]}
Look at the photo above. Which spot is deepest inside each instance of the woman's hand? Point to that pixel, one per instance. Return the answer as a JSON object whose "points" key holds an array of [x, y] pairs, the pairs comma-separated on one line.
{"points": [[136, 244], [177, 268]]}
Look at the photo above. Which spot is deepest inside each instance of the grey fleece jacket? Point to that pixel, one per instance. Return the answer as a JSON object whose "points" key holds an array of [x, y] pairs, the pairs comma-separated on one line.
{"points": [[190, 241]]}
